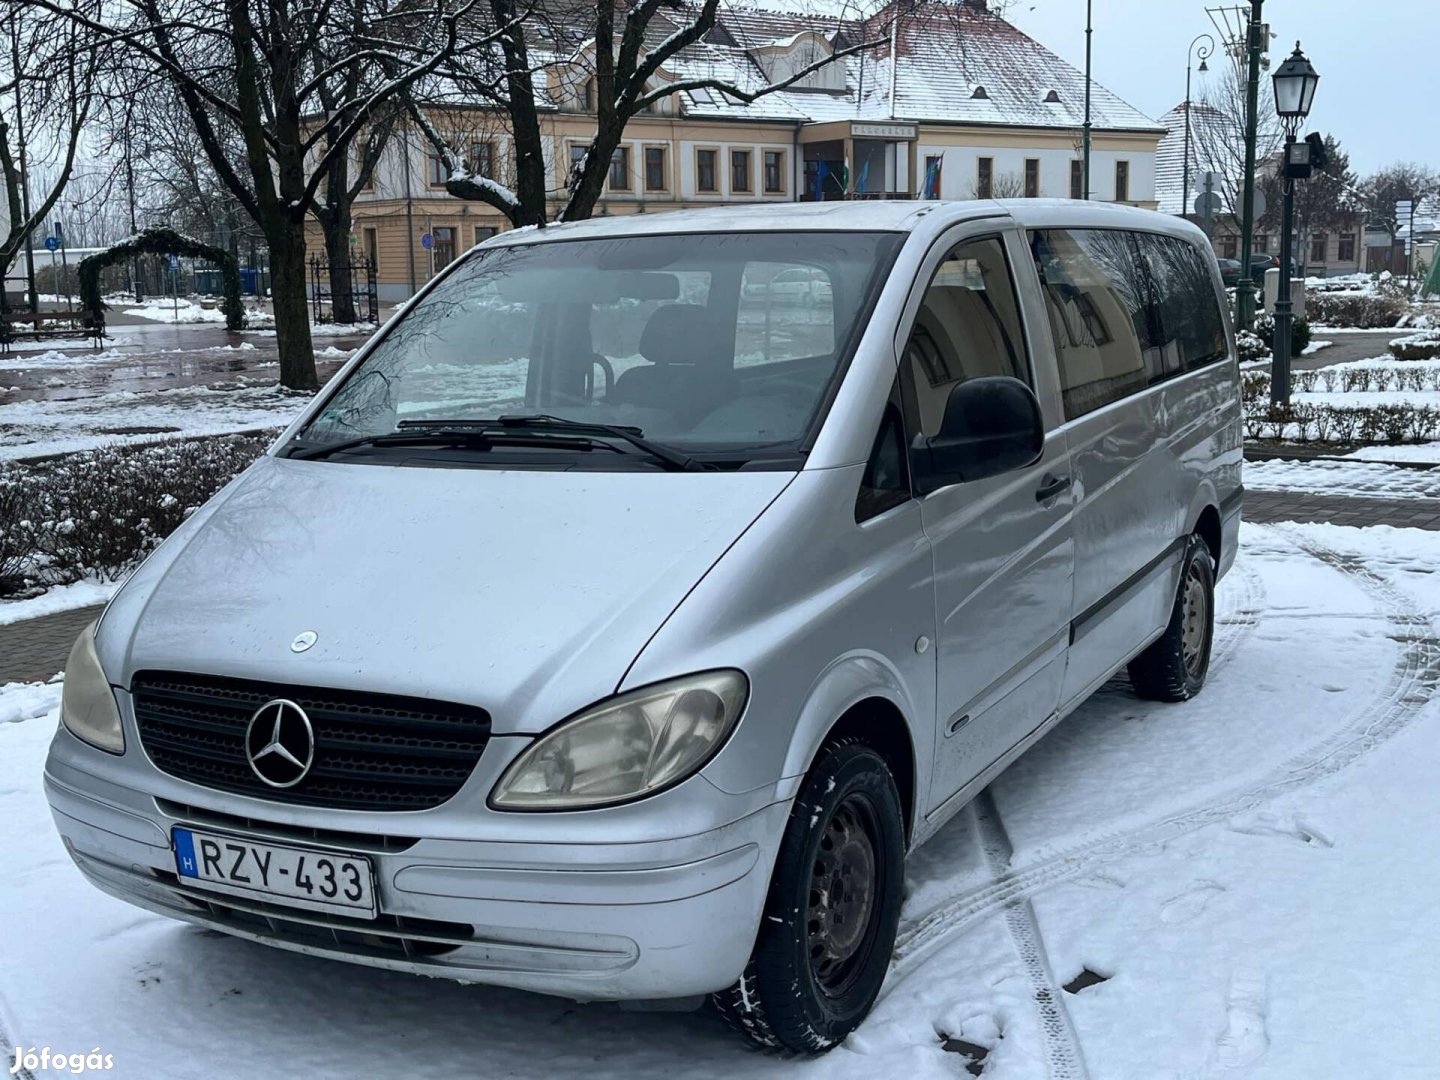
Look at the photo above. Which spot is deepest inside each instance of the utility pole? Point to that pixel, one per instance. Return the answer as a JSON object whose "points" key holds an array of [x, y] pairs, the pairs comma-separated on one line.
{"points": [[1245, 291], [1089, 31]]}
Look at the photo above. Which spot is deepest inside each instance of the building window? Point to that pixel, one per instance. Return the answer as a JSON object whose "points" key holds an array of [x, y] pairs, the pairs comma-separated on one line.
{"points": [[587, 96], [1319, 244], [740, 171], [774, 172], [372, 247], [1261, 244], [484, 232], [1077, 180], [655, 179], [984, 177], [442, 249], [620, 169], [1122, 181], [578, 151], [1347, 247], [1230, 247], [934, 166], [438, 172], [482, 159], [705, 178], [1032, 178]]}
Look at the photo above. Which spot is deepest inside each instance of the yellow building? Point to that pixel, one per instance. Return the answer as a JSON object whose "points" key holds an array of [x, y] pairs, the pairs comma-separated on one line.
{"points": [[959, 105]]}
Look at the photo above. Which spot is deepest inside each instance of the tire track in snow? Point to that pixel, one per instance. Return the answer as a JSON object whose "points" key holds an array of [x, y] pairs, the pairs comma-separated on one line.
{"points": [[1063, 1057], [7, 1043], [1239, 613], [1411, 684]]}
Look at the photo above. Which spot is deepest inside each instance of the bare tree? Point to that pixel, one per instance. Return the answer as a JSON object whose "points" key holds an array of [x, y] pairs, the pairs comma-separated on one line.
{"points": [[618, 71], [1009, 185], [1217, 131], [48, 71], [255, 70], [1401, 182]]}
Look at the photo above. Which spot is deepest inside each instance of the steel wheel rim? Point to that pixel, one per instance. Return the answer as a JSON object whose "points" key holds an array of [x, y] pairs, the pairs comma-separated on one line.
{"points": [[843, 914], [1194, 610]]}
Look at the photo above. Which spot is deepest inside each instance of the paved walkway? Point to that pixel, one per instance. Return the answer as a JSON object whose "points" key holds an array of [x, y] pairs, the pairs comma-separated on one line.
{"points": [[36, 649], [1347, 347]]}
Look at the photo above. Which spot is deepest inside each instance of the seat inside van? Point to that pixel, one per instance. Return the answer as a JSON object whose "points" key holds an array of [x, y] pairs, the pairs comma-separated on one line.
{"points": [[684, 373]]}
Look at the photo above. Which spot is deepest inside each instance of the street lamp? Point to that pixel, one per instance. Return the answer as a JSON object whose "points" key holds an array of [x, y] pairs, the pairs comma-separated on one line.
{"points": [[1202, 52], [1295, 83]]}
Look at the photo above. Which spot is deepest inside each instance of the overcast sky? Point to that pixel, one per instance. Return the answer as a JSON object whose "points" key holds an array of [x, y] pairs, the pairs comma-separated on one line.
{"points": [[1362, 49]]}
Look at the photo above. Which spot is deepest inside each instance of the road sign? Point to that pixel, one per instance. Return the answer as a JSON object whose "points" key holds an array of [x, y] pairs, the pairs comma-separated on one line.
{"points": [[174, 262], [1260, 204], [1210, 180], [427, 241], [1208, 204], [52, 243]]}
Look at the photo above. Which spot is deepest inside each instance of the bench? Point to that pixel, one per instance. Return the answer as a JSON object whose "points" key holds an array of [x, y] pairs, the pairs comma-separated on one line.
{"points": [[48, 324]]}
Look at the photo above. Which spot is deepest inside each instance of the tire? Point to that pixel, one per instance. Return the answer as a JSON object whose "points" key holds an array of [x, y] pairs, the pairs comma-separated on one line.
{"points": [[818, 964], [1173, 668]]}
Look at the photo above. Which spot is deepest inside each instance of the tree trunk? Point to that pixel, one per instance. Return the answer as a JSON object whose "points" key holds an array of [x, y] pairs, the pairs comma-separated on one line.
{"points": [[292, 309], [336, 227]]}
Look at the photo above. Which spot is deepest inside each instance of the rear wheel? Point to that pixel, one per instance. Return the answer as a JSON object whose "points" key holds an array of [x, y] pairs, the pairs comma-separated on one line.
{"points": [[829, 922], [1174, 667]]}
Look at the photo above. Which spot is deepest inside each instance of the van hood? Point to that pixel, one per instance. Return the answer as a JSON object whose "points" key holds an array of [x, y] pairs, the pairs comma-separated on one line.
{"points": [[527, 593]]}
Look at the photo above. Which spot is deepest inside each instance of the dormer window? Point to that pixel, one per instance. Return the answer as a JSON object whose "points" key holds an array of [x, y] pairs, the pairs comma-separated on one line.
{"points": [[1052, 98], [980, 94], [587, 96]]}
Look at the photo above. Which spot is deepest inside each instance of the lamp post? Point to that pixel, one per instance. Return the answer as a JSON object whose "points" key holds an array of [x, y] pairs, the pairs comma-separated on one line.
{"points": [[1295, 83], [1202, 52], [1086, 127]]}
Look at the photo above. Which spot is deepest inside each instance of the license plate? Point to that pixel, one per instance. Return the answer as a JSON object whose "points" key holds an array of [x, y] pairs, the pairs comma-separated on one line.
{"points": [[309, 878]]}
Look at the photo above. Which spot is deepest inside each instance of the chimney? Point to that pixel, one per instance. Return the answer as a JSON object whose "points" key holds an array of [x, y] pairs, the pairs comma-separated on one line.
{"points": [[978, 5]]}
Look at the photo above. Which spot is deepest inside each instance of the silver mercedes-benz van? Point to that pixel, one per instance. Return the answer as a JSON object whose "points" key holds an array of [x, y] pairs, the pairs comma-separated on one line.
{"points": [[621, 615]]}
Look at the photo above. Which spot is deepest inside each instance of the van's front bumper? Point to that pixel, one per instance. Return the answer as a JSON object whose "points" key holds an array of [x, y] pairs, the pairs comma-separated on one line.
{"points": [[645, 920]]}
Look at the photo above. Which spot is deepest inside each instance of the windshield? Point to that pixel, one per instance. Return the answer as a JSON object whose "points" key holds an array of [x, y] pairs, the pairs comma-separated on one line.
{"points": [[721, 346]]}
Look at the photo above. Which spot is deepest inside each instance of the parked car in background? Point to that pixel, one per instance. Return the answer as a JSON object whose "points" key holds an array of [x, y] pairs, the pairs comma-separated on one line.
{"points": [[592, 635], [1229, 272], [797, 285], [1261, 262]]}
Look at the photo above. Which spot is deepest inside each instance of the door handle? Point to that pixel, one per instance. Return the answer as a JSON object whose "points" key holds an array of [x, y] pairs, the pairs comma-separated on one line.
{"points": [[1050, 486]]}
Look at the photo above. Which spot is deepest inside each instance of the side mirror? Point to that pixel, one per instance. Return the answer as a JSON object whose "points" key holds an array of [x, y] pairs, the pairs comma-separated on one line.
{"points": [[991, 426]]}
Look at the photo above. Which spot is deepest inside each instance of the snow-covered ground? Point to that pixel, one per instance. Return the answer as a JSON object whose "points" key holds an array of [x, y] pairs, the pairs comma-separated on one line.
{"points": [[47, 426], [1428, 452], [1252, 875], [1361, 478], [77, 594], [167, 309]]}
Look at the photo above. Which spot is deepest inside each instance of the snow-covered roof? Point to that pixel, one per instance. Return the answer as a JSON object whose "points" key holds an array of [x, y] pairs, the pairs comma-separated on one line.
{"points": [[946, 51], [1170, 156]]}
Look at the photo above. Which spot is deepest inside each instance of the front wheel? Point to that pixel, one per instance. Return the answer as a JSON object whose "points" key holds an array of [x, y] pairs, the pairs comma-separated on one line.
{"points": [[829, 923], [1174, 667]]}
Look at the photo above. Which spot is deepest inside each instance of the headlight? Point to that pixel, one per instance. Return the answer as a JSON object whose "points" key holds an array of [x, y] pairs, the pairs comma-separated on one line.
{"points": [[632, 745], [87, 704]]}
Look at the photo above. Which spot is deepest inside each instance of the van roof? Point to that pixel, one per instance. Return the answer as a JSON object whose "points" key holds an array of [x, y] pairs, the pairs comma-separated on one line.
{"points": [[860, 215]]}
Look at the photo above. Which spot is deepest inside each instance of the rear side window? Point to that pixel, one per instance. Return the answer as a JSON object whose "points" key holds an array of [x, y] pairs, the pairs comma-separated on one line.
{"points": [[1194, 328], [1127, 310]]}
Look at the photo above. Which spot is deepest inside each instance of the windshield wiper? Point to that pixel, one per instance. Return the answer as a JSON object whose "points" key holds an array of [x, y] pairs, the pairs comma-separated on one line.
{"points": [[439, 436], [671, 459]]}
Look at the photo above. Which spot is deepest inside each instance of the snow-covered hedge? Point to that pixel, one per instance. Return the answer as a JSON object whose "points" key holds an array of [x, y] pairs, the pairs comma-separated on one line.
{"points": [[96, 514], [1423, 346], [1365, 312]]}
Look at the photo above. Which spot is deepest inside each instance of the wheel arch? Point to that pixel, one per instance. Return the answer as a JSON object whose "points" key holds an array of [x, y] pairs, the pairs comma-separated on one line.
{"points": [[861, 699], [1203, 519]]}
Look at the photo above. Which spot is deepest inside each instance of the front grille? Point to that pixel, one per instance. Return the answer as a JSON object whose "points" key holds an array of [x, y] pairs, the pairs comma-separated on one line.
{"points": [[372, 751]]}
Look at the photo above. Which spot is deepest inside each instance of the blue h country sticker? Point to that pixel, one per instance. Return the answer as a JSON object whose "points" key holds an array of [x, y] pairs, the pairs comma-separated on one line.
{"points": [[185, 853]]}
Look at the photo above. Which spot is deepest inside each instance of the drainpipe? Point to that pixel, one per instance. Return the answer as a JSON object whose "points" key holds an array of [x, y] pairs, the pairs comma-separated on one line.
{"points": [[894, 33]]}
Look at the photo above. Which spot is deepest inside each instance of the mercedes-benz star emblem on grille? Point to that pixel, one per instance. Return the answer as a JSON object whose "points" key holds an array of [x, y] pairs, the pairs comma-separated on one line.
{"points": [[280, 743]]}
